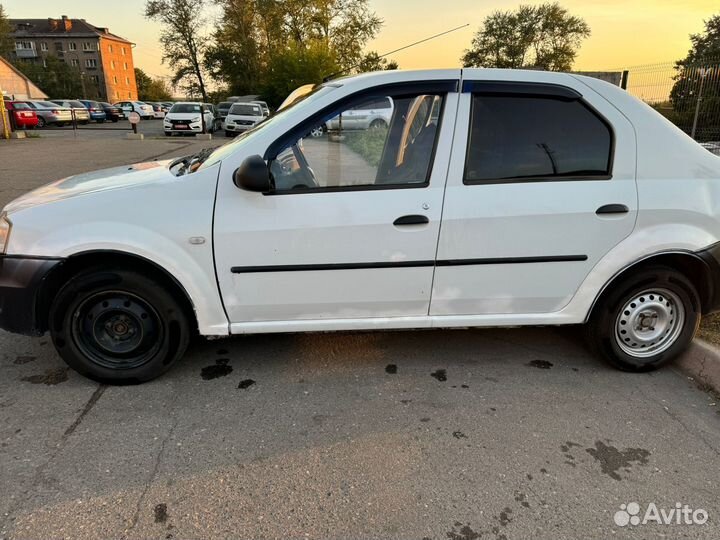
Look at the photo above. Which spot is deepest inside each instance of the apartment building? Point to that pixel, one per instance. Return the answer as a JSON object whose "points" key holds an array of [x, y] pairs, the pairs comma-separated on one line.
{"points": [[103, 59]]}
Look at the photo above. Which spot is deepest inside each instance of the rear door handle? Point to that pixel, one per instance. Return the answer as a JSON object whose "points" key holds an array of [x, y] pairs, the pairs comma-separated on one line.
{"points": [[612, 209], [413, 219]]}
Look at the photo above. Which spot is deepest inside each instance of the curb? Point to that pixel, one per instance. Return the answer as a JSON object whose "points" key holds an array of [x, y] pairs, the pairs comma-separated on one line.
{"points": [[701, 362]]}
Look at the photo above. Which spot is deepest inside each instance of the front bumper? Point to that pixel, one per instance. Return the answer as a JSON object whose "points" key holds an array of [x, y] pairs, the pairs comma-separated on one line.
{"points": [[21, 279]]}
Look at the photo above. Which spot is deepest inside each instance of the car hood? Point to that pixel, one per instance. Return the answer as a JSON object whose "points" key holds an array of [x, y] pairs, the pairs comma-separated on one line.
{"points": [[93, 182], [182, 116]]}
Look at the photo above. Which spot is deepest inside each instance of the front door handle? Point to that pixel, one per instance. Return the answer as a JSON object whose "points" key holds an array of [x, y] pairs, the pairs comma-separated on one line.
{"points": [[412, 219], [612, 209]]}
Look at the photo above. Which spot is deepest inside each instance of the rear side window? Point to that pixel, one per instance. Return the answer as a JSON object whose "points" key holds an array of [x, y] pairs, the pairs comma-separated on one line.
{"points": [[529, 138]]}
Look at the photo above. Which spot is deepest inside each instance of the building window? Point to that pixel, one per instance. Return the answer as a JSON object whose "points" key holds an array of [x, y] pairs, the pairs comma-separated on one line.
{"points": [[58, 46], [74, 62], [43, 46], [125, 66], [24, 46], [109, 48], [115, 80], [91, 63], [112, 64], [87, 46], [122, 51], [94, 79], [129, 95], [44, 62], [127, 80], [72, 46]]}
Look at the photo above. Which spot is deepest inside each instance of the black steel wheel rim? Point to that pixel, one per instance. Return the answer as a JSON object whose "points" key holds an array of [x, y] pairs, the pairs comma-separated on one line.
{"points": [[117, 329]]}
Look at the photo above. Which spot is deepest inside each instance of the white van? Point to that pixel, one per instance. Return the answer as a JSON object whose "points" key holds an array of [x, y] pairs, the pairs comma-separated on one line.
{"points": [[562, 200]]}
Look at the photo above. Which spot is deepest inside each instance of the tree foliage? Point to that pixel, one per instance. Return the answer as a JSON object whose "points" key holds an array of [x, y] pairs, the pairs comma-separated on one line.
{"points": [[545, 36], [6, 41], [151, 89], [183, 41], [697, 84], [57, 79], [271, 47]]}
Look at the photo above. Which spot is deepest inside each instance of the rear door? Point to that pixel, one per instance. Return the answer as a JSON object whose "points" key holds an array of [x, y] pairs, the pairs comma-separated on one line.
{"points": [[541, 186]]}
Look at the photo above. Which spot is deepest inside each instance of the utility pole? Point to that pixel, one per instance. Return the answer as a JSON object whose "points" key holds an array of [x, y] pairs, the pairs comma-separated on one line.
{"points": [[4, 117]]}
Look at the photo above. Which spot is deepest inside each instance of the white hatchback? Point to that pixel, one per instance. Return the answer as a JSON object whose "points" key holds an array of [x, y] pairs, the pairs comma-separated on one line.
{"points": [[489, 198]]}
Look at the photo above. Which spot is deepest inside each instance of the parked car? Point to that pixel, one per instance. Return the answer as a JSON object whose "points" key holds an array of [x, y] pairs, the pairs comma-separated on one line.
{"points": [[49, 113], [145, 111], [112, 112], [187, 117], [265, 108], [158, 110], [373, 113], [241, 117], [222, 109], [598, 211], [21, 115], [80, 113], [96, 110]]}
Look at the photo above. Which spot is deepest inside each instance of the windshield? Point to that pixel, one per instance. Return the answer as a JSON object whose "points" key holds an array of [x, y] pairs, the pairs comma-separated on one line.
{"points": [[20, 106], [246, 109], [225, 105], [76, 104], [306, 100], [185, 108]]}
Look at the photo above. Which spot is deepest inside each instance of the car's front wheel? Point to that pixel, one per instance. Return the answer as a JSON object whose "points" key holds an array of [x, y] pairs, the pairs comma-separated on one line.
{"points": [[646, 320], [118, 326]]}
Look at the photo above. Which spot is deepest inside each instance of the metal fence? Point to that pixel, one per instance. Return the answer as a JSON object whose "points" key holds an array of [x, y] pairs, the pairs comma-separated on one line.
{"points": [[688, 95]]}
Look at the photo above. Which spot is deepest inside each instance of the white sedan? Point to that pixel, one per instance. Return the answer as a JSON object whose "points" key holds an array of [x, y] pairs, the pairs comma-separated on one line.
{"points": [[491, 198]]}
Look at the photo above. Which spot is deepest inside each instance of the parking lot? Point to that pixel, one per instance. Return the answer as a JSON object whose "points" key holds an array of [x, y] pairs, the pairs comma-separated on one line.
{"points": [[119, 129], [464, 434]]}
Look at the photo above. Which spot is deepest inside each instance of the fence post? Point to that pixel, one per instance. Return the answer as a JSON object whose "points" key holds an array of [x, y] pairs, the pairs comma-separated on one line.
{"points": [[697, 104], [624, 81]]}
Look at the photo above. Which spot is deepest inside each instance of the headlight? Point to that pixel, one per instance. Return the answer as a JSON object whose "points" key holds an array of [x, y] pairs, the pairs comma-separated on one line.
{"points": [[196, 119], [5, 228]]}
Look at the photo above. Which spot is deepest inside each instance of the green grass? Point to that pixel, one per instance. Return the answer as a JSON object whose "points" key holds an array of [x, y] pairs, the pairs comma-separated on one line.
{"points": [[369, 144]]}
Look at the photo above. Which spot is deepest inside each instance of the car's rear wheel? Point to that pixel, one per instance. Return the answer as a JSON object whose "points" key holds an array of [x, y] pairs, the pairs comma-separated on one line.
{"points": [[118, 326], [41, 122], [646, 320]]}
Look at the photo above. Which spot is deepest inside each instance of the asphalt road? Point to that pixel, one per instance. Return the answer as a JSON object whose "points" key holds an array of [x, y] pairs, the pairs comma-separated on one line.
{"points": [[458, 435]]}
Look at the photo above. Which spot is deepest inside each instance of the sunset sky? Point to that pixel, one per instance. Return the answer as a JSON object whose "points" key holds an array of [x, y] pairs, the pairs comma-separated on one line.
{"points": [[624, 32]]}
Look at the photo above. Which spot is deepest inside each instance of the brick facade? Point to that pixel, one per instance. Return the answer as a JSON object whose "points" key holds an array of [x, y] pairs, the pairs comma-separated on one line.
{"points": [[104, 60]]}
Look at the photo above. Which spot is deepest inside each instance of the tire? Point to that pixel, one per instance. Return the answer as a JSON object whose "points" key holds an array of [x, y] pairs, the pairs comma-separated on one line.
{"points": [[168, 133], [317, 132], [41, 122], [101, 121], [115, 120], [378, 123], [228, 134], [118, 326], [645, 320]]}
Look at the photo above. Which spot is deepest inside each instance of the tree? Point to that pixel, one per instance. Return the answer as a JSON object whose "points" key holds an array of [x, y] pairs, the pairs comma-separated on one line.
{"points": [[151, 89], [57, 79], [183, 41], [544, 36], [696, 91], [372, 62], [255, 37], [6, 41]]}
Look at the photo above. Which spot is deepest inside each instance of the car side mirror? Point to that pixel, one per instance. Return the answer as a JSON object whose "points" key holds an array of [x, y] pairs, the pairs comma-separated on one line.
{"points": [[253, 175]]}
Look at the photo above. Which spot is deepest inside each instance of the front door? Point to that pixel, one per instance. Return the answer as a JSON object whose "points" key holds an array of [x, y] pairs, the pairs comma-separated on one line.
{"points": [[541, 186], [351, 227]]}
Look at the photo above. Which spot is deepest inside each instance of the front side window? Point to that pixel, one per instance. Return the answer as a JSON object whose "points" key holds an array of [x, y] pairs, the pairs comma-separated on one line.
{"points": [[529, 138], [372, 143]]}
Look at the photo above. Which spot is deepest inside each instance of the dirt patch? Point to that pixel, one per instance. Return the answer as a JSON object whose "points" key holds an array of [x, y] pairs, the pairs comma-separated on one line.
{"points": [[612, 460], [50, 377]]}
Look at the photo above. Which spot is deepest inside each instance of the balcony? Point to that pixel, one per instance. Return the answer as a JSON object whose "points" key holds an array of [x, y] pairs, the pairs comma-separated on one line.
{"points": [[26, 53]]}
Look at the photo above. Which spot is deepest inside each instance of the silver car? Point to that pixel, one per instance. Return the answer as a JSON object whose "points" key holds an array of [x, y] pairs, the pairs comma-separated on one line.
{"points": [[50, 113], [82, 115]]}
